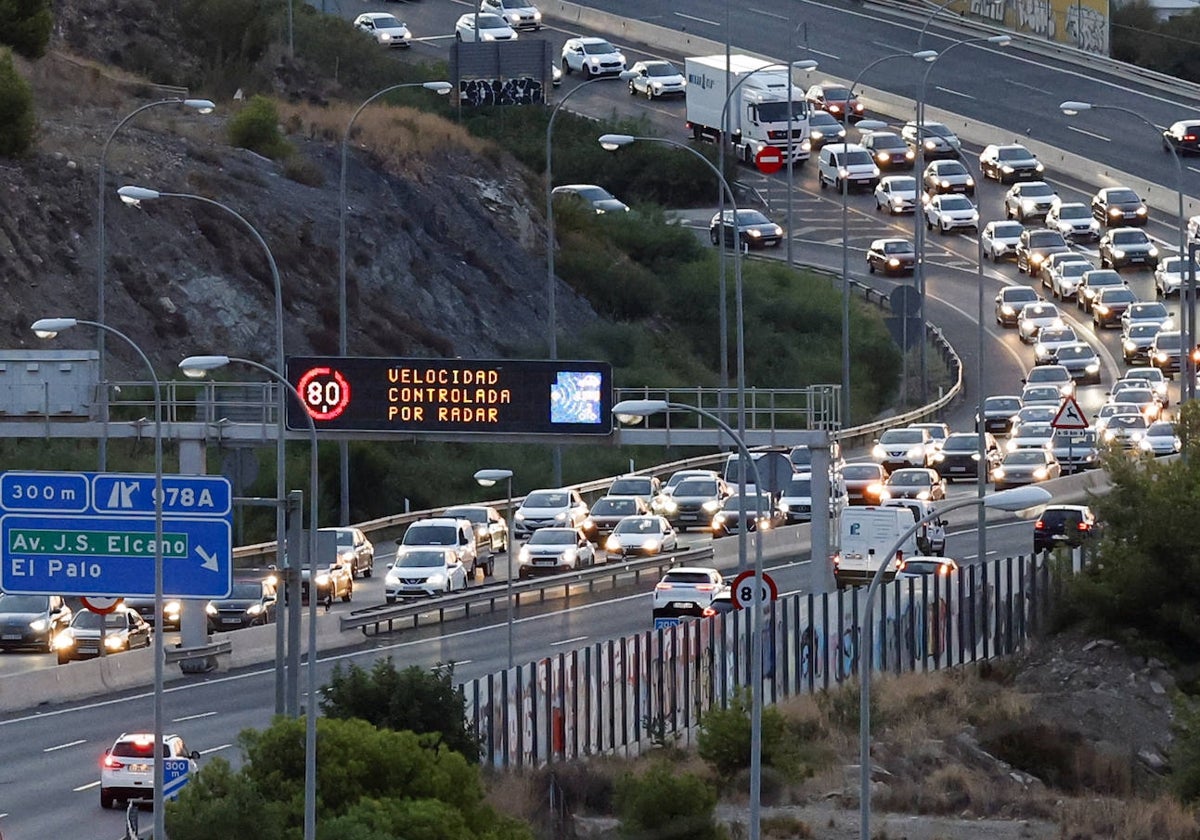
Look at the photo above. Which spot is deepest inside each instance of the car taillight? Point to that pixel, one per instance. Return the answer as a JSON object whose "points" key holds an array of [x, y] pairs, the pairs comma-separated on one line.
{"points": [[662, 585], [708, 612], [1083, 526], [1039, 525], [111, 763], [705, 587]]}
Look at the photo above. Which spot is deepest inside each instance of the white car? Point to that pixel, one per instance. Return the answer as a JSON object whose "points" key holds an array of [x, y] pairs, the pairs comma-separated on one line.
{"points": [[1074, 220], [1193, 229], [949, 211], [384, 28], [656, 79], [1154, 379], [641, 536], [1169, 276], [1029, 200], [1049, 340], [686, 590], [516, 13], [1160, 439], [1065, 277], [424, 572], [1009, 162], [127, 768], [999, 239], [592, 57], [896, 194], [1034, 317], [491, 28], [795, 500], [554, 550], [549, 508]]}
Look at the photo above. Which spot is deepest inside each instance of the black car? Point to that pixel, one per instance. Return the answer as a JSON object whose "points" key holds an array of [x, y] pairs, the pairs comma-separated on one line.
{"points": [[250, 603], [754, 229], [1110, 304], [1119, 207], [1126, 246], [1082, 361], [1010, 302], [32, 621], [824, 127], [889, 150], [891, 256], [1093, 282], [998, 413], [1035, 245], [1183, 136], [750, 512], [1069, 525], [959, 455]]}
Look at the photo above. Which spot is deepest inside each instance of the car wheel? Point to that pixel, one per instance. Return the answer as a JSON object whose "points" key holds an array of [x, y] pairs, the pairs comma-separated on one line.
{"points": [[349, 593], [566, 67], [632, 89], [587, 72], [821, 181], [714, 236], [458, 37], [370, 570], [63, 660], [870, 267], [107, 800], [650, 94], [389, 599]]}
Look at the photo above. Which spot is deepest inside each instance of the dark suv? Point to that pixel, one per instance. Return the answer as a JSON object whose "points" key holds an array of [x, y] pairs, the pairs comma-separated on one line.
{"points": [[1068, 525], [1035, 245]]}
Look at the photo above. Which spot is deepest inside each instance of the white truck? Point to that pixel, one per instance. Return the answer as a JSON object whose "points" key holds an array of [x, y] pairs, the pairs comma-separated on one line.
{"points": [[866, 533], [758, 105]]}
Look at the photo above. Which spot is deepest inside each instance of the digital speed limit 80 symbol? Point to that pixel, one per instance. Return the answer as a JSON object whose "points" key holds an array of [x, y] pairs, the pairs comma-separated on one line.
{"points": [[325, 391]]}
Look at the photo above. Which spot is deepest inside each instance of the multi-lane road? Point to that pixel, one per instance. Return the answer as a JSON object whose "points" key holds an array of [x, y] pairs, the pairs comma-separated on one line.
{"points": [[49, 782]]}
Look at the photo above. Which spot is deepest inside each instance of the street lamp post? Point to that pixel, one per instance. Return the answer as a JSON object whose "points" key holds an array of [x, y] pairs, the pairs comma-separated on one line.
{"points": [[196, 367], [49, 328], [203, 106], [488, 478], [1018, 498], [634, 410], [1187, 313], [923, 55], [918, 167], [551, 312], [134, 196], [612, 142], [441, 88]]}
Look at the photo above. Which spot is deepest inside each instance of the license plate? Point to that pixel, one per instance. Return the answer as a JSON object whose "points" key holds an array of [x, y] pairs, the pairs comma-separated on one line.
{"points": [[545, 562], [139, 768], [11, 637], [688, 517], [958, 469], [230, 620], [682, 605]]}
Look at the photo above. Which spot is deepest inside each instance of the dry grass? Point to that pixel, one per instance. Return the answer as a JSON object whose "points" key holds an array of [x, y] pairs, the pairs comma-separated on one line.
{"points": [[1105, 818], [396, 136]]}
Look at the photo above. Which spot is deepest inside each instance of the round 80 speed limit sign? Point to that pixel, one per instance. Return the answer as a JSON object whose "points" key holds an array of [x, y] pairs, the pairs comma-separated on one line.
{"points": [[743, 590]]}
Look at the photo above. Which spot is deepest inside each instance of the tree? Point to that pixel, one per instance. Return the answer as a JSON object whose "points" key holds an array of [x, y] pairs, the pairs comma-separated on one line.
{"points": [[25, 26], [413, 699], [372, 784], [1145, 579], [16, 109]]}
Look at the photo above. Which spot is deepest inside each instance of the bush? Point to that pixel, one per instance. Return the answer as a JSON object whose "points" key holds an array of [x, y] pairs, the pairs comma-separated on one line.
{"points": [[25, 26], [725, 735], [256, 127], [660, 805], [16, 109]]}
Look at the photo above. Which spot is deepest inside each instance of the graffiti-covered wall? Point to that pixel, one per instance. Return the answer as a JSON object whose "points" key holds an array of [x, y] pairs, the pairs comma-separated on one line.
{"points": [[1079, 23], [501, 72]]}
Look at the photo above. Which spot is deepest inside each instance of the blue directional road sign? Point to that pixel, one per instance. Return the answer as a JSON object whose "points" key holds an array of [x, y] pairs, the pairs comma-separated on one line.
{"points": [[92, 534], [175, 776]]}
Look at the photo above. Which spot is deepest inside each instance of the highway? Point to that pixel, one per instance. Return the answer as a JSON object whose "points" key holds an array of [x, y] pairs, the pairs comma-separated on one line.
{"points": [[50, 784]]}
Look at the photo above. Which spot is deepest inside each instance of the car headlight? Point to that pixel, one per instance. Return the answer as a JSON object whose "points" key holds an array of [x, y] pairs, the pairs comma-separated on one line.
{"points": [[1115, 212], [719, 519], [1093, 367], [711, 506], [612, 544], [114, 642], [1117, 252], [915, 452], [893, 262], [669, 506], [1101, 308], [38, 625], [897, 200], [843, 172], [569, 556], [523, 556], [436, 579], [520, 517], [210, 608], [651, 545], [1008, 310], [1041, 474], [875, 490], [254, 609], [1010, 445], [1036, 258], [923, 495], [487, 36], [1141, 211], [754, 233], [323, 579], [970, 181], [1039, 168], [1006, 169], [1153, 251], [1145, 444], [998, 472], [560, 517], [930, 145], [171, 609], [385, 36], [537, 15], [64, 640]]}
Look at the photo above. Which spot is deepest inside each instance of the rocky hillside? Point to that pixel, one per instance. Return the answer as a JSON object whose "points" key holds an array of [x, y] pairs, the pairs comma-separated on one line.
{"points": [[444, 252]]}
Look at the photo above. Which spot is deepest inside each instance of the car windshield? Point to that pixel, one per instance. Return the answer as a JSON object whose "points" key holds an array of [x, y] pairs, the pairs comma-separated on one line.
{"points": [[749, 503], [430, 535], [630, 487], [961, 443], [88, 620], [1017, 294], [1163, 428], [1038, 190], [1045, 238], [389, 22], [1011, 404], [1148, 310], [903, 184], [24, 603], [1074, 269], [1041, 393], [693, 487], [951, 167], [553, 536], [1035, 430], [909, 478], [1118, 295], [474, 515], [1025, 456], [926, 568], [1076, 351], [1074, 211], [902, 436], [824, 119], [888, 141], [491, 22], [592, 193], [691, 578], [1008, 230], [1040, 310], [837, 94], [1168, 340], [614, 507], [142, 748], [1129, 237], [897, 248], [637, 525], [799, 487], [956, 202], [1013, 153], [860, 472], [660, 68], [1127, 421], [856, 158], [752, 217], [1074, 437], [546, 500], [245, 591], [1047, 336], [1123, 197], [933, 129], [420, 559], [598, 47]]}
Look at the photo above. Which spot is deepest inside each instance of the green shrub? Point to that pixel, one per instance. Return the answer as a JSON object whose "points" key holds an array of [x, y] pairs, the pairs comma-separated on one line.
{"points": [[725, 736], [1185, 751], [661, 805], [16, 109], [25, 26], [256, 127]]}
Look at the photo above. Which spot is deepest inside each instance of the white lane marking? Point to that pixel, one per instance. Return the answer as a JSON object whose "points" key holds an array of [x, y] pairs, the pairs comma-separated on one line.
{"points": [[825, 54], [767, 14], [568, 641], [697, 19], [1015, 83], [1194, 169], [954, 92], [88, 786], [890, 47], [215, 749], [192, 717], [1090, 134], [64, 746]]}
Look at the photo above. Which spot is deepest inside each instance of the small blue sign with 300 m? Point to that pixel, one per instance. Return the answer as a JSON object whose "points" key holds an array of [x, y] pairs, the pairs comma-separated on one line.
{"points": [[94, 534]]}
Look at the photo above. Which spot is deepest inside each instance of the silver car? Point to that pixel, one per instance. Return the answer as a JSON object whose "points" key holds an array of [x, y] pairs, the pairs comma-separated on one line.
{"points": [[656, 79], [949, 211], [896, 194], [999, 239], [1075, 449], [1074, 220], [936, 140], [1026, 466], [1035, 316], [1029, 200]]}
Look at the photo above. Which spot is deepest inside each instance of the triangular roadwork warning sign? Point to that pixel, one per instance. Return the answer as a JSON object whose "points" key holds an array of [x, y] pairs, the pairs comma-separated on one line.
{"points": [[1070, 416]]}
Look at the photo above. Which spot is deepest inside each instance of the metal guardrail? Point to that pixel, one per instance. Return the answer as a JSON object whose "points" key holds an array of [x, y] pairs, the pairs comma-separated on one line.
{"points": [[203, 652], [389, 614]]}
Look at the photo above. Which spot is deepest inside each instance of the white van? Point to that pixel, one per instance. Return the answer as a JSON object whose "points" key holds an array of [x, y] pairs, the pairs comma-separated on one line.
{"points": [[846, 161], [865, 535]]}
